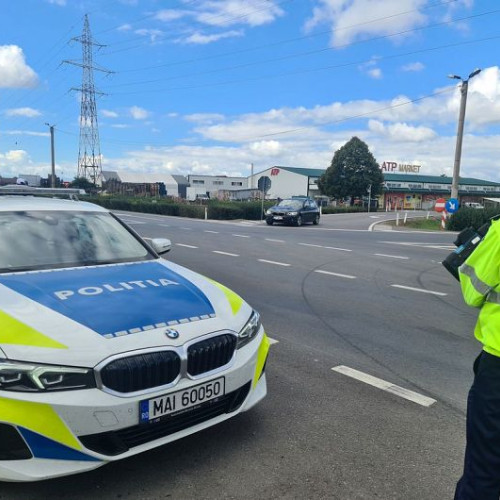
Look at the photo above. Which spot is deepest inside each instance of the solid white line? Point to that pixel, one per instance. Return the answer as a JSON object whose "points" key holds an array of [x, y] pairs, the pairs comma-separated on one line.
{"points": [[385, 386], [213, 232], [134, 222], [276, 241], [275, 263], [419, 290], [241, 236], [187, 228], [348, 276], [391, 256], [225, 253], [184, 245]]}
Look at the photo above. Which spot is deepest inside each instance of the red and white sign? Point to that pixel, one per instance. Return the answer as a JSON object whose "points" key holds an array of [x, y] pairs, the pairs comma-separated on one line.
{"points": [[275, 171], [440, 205]]}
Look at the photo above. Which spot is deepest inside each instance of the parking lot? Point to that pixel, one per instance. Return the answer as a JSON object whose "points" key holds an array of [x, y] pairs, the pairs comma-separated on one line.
{"points": [[367, 379]]}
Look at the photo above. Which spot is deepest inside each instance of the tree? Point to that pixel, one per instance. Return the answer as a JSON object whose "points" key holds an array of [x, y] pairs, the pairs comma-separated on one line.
{"points": [[82, 183], [352, 170]]}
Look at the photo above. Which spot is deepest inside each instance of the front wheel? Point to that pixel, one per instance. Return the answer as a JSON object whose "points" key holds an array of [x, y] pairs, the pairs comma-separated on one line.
{"points": [[299, 221], [316, 220], [269, 222]]}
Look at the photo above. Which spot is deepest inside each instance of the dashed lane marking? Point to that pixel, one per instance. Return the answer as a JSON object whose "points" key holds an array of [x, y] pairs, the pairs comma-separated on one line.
{"points": [[213, 232], [275, 241], [241, 236], [338, 275], [225, 253], [421, 290], [328, 248], [185, 246], [391, 256], [415, 397], [274, 262]]}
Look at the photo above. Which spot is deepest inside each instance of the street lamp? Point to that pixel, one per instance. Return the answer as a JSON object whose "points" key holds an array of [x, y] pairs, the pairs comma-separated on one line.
{"points": [[460, 131], [52, 156]]}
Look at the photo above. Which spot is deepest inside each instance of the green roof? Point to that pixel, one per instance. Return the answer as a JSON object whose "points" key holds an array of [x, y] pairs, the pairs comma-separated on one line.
{"points": [[309, 172], [436, 179]]}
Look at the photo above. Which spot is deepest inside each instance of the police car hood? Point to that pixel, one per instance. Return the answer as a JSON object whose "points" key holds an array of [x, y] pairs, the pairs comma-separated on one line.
{"points": [[80, 316]]}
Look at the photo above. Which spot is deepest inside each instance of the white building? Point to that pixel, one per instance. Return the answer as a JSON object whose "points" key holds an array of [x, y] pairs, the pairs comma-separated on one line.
{"points": [[289, 181], [212, 184]]}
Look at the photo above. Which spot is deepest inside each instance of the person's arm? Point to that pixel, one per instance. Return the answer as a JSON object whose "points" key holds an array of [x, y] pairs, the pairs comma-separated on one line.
{"points": [[479, 274]]}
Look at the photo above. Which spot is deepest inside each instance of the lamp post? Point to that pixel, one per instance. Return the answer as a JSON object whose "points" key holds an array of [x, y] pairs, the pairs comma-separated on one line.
{"points": [[460, 131], [52, 156]]}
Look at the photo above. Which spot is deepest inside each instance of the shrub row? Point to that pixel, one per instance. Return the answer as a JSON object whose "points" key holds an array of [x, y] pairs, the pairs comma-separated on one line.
{"points": [[216, 209], [467, 217], [343, 210]]}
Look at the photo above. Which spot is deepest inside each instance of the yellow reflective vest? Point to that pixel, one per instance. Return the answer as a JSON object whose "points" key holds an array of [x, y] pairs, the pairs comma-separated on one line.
{"points": [[480, 282]]}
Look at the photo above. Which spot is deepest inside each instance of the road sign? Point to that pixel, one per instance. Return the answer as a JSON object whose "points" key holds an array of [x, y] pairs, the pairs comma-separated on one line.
{"points": [[264, 184], [440, 205], [452, 205]]}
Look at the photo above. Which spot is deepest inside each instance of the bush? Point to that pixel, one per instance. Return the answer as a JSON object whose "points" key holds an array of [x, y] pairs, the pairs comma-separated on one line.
{"points": [[467, 217], [343, 210]]}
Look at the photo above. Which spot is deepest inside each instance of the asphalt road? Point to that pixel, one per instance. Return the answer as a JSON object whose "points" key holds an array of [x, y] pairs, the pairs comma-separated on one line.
{"points": [[333, 295]]}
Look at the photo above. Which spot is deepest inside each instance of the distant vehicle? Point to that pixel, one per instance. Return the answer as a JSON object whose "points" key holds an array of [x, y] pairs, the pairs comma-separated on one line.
{"points": [[202, 197], [296, 211], [473, 204]]}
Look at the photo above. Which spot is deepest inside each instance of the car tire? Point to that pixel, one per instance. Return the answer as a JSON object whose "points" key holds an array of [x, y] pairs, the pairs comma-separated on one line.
{"points": [[299, 221], [269, 222], [316, 220]]}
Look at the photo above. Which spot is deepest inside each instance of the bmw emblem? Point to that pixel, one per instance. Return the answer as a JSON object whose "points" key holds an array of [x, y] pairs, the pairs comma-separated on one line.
{"points": [[171, 333]]}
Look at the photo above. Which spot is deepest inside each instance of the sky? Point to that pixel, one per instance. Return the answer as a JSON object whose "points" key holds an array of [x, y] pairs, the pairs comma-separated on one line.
{"points": [[214, 86]]}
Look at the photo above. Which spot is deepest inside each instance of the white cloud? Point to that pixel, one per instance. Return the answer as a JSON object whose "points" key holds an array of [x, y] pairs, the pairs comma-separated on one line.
{"points": [[266, 148], [201, 39], [125, 27], [120, 125], [375, 73], [402, 132], [354, 19], [26, 112], [416, 66], [153, 34], [168, 15], [61, 3], [108, 114], [15, 156], [14, 72], [138, 113]]}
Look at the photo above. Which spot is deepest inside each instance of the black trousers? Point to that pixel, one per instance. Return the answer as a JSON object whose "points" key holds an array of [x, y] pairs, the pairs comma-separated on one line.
{"points": [[481, 477]]}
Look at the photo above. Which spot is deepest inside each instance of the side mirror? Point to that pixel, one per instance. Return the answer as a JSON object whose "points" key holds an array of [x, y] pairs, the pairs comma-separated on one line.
{"points": [[161, 245]]}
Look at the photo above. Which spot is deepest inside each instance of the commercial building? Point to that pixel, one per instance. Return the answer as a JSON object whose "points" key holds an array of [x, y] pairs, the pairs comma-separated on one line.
{"points": [[401, 190], [212, 185]]}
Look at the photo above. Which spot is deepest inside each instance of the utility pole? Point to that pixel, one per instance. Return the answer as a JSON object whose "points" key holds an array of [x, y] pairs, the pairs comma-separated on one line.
{"points": [[52, 156], [460, 130], [89, 151]]}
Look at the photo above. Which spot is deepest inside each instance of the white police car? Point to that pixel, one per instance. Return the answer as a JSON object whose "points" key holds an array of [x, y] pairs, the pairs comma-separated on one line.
{"points": [[106, 349]]}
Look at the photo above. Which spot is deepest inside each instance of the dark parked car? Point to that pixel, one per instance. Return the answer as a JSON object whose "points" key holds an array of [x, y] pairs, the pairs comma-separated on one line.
{"points": [[295, 211]]}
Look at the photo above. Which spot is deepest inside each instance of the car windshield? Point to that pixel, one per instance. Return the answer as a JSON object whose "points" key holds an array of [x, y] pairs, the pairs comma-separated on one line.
{"points": [[33, 240], [295, 204]]}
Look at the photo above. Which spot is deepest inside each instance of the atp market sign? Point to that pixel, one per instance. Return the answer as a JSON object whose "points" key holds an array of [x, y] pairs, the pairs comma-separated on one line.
{"points": [[392, 166]]}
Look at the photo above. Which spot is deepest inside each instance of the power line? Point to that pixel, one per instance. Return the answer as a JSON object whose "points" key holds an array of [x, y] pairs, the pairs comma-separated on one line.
{"points": [[308, 53]]}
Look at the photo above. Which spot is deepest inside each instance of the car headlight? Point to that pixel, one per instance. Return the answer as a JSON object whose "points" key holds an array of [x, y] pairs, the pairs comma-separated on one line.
{"points": [[268, 212], [293, 213], [32, 377], [250, 330]]}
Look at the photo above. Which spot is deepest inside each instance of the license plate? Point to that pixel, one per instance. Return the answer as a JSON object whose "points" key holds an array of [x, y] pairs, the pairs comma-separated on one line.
{"points": [[278, 217], [152, 409]]}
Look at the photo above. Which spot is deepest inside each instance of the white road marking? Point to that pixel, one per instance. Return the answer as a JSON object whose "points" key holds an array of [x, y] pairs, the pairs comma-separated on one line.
{"points": [[134, 222], [164, 225], [187, 228], [184, 245], [328, 248], [329, 273], [385, 386], [443, 246], [273, 341], [421, 290], [275, 241], [241, 236], [213, 232], [391, 256], [225, 253], [275, 263]]}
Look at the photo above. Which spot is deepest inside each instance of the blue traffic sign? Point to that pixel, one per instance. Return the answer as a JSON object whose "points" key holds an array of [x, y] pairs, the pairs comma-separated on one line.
{"points": [[452, 205]]}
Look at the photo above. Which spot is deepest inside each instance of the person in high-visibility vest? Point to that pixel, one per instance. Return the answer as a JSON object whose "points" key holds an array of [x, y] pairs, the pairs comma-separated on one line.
{"points": [[480, 283]]}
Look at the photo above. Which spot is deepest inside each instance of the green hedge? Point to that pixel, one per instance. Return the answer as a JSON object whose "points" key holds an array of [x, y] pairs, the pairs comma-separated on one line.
{"points": [[342, 210], [466, 217], [216, 209]]}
